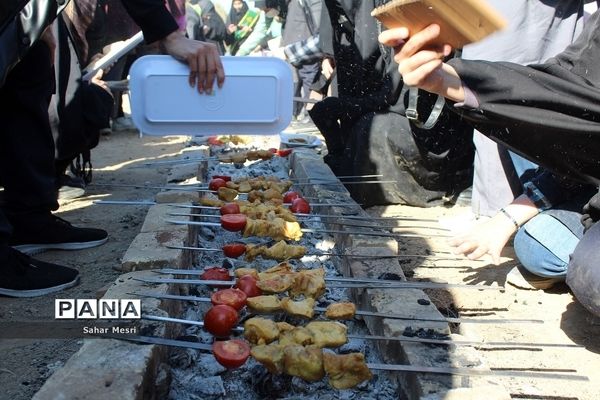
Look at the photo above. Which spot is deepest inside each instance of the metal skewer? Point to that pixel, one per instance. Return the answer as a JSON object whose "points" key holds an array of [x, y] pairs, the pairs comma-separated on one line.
{"points": [[366, 281], [345, 223], [349, 255], [565, 374], [327, 231], [392, 316], [356, 217], [152, 203]]}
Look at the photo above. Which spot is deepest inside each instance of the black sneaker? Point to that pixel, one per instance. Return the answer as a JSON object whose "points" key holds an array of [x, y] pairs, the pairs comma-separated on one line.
{"points": [[23, 276], [49, 232]]}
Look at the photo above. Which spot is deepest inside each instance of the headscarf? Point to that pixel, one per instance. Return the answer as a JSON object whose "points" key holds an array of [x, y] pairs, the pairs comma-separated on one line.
{"points": [[234, 16]]}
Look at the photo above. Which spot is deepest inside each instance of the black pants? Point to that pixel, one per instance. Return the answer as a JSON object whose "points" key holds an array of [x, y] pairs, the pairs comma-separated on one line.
{"points": [[26, 143]]}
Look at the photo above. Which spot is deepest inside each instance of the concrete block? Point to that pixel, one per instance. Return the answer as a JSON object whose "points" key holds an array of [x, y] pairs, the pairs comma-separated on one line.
{"points": [[155, 220], [148, 251], [182, 172], [113, 369], [177, 196]]}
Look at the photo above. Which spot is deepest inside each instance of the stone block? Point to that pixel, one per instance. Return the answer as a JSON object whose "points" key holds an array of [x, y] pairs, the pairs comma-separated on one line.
{"points": [[155, 220], [148, 251], [177, 196]]}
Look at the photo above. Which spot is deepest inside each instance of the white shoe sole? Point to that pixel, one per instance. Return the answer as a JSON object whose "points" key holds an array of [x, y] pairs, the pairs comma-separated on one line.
{"points": [[31, 249]]}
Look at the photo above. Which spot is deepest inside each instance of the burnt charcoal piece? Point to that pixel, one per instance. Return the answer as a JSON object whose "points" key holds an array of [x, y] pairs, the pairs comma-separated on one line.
{"points": [[424, 302], [269, 386], [228, 264], [388, 276]]}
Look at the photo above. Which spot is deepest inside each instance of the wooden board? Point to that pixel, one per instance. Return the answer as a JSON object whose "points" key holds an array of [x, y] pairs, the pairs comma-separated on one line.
{"points": [[461, 21]]}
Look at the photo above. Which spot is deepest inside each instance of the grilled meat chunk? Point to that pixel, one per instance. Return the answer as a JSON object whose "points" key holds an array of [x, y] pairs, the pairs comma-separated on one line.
{"points": [[276, 283], [264, 304], [284, 327], [304, 362], [344, 310], [277, 229], [260, 330], [282, 251], [211, 202], [347, 370], [279, 251], [297, 335], [246, 271], [238, 158], [303, 308], [269, 355], [309, 282], [283, 268], [227, 194], [328, 333]]}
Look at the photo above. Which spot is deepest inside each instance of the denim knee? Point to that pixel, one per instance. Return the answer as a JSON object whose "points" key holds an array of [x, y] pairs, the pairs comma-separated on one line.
{"points": [[543, 246]]}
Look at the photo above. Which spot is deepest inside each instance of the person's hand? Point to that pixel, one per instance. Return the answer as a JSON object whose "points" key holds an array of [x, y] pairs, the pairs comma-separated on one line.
{"points": [[97, 80], [489, 238], [231, 28], [203, 59], [420, 61], [327, 68]]}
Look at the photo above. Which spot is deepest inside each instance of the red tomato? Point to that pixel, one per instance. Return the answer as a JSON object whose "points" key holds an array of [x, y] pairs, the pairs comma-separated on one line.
{"points": [[273, 150], [224, 177], [233, 222], [247, 284], [300, 206], [230, 297], [216, 183], [220, 320], [230, 208], [290, 196], [284, 152], [216, 274], [214, 141], [231, 353], [234, 250]]}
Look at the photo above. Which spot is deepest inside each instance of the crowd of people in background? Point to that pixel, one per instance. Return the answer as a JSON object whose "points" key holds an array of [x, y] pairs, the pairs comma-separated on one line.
{"points": [[373, 90]]}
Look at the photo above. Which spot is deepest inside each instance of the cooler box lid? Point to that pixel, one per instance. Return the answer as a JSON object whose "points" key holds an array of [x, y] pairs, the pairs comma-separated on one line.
{"points": [[256, 98]]}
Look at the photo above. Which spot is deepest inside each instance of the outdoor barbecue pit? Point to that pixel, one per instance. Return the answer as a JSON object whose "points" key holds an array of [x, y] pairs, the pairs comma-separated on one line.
{"points": [[197, 375]]}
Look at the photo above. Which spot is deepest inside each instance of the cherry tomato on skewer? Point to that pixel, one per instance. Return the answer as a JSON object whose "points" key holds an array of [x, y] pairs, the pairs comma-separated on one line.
{"points": [[233, 222], [247, 284], [300, 206], [290, 196], [231, 353], [216, 183], [220, 320], [226, 178], [229, 297], [234, 250], [284, 152], [216, 274], [230, 208]]}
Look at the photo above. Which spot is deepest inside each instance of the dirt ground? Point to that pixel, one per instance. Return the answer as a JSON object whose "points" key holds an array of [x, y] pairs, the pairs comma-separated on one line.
{"points": [[565, 320], [26, 364]]}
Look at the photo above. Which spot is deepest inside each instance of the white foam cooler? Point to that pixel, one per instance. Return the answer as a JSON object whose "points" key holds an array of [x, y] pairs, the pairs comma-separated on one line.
{"points": [[256, 98]]}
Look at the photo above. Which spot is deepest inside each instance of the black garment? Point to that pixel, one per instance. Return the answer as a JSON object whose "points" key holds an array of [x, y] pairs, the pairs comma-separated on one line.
{"points": [[556, 103], [78, 109], [26, 144], [365, 126], [215, 27]]}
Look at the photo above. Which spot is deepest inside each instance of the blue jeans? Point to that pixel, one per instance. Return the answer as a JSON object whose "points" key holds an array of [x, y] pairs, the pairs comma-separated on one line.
{"points": [[544, 244]]}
